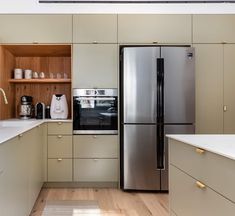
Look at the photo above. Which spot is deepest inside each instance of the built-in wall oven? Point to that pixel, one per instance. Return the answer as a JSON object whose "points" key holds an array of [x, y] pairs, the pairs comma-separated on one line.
{"points": [[95, 111]]}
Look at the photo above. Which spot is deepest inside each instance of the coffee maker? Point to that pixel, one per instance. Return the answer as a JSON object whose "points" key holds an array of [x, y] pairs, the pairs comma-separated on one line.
{"points": [[26, 107]]}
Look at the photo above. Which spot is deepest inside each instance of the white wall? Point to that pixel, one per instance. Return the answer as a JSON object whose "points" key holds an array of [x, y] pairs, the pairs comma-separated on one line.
{"points": [[32, 6]]}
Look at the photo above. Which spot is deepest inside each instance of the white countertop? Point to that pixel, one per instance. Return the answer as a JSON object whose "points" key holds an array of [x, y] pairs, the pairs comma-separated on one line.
{"points": [[219, 144], [14, 127]]}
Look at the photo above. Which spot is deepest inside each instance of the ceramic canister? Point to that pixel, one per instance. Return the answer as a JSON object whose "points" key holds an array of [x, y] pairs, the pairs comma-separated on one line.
{"points": [[18, 73]]}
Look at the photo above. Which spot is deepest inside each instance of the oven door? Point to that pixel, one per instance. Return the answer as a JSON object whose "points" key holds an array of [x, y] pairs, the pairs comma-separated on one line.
{"points": [[95, 115]]}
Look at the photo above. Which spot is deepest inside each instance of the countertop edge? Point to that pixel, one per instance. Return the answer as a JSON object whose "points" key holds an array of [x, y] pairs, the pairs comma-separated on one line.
{"points": [[19, 130], [204, 147]]}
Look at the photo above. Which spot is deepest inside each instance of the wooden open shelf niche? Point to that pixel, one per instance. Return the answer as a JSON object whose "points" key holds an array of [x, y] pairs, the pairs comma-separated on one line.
{"points": [[40, 58]]}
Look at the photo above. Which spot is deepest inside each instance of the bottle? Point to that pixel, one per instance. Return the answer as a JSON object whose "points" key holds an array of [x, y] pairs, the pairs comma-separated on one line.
{"points": [[47, 112]]}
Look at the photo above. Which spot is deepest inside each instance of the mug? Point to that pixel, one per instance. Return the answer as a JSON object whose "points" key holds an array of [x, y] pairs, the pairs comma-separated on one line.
{"points": [[28, 74]]}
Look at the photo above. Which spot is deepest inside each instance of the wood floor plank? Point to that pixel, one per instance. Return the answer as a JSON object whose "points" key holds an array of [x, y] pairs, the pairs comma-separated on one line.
{"points": [[112, 202]]}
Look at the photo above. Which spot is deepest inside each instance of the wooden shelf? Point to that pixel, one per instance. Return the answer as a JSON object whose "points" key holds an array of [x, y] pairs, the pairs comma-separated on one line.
{"points": [[40, 80]]}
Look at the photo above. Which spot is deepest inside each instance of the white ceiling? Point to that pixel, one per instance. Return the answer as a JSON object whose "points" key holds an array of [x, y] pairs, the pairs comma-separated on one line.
{"points": [[32, 6]]}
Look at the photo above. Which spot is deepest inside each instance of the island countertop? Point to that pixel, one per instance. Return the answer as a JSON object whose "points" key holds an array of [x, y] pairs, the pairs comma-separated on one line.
{"points": [[13, 127], [220, 144]]}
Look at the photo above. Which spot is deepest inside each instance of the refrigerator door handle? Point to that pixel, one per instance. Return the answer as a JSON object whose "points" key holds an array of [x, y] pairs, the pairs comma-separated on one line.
{"points": [[160, 113]]}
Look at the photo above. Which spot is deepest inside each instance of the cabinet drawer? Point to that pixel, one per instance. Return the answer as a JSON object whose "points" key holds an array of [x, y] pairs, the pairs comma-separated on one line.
{"points": [[100, 146], [59, 128], [186, 198], [210, 168], [60, 146], [59, 170], [96, 170]]}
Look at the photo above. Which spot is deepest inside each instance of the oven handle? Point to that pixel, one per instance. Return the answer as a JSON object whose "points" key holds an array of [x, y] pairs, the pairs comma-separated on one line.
{"points": [[97, 99]]}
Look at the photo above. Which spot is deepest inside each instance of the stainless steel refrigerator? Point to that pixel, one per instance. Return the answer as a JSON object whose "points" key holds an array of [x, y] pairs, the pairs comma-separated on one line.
{"points": [[157, 98]]}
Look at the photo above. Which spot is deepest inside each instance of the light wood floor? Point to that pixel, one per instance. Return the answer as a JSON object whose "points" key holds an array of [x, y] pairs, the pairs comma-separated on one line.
{"points": [[112, 202]]}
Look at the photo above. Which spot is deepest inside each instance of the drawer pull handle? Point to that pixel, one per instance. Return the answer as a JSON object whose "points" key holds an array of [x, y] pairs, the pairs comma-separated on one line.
{"points": [[59, 123], [200, 151], [59, 136], [95, 136], [95, 160], [200, 185], [59, 159], [20, 135]]}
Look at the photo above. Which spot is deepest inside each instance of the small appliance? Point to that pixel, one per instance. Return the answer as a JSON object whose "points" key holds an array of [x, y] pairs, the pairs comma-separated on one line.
{"points": [[40, 110], [47, 112], [59, 107], [26, 107]]}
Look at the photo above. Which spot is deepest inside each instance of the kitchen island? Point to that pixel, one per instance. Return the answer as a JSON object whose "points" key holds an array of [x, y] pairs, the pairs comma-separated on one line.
{"points": [[202, 175]]}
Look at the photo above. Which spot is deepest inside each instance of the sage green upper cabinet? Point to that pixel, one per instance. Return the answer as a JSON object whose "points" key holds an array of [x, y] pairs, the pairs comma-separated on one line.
{"points": [[95, 28], [35, 28], [209, 88], [229, 88], [154, 28], [213, 28], [95, 65]]}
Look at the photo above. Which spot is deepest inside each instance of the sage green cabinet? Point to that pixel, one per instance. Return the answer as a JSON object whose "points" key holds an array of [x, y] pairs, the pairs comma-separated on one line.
{"points": [[96, 170], [186, 198], [35, 28], [60, 170], [59, 152], [95, 146], [152, 28], [95, 66], [21, 173], [95, 28], [96, 158], [213, 28], [229, 88], [60, 146], [58, 128], [209, 88]]}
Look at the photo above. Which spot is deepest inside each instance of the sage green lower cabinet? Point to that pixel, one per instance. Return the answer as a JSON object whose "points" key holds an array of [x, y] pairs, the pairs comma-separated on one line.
{"points": [[60, 146], [96, 170], [96, 158], [21, 173], [60, 170], [201, 182], [96, 146], [186, 198], [59, 152]]}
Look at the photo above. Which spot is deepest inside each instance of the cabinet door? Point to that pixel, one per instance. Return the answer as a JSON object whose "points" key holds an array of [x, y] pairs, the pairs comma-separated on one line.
{"points": [[95, 66], [229, 88], [154, 28], [209, 88], [36, 28], [94, 28], [213, 28], [34, 138]]}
